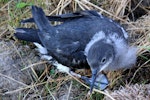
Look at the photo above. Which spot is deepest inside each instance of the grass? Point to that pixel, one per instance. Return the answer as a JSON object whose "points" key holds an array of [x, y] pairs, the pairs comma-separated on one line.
{"points": [[48, 83]]}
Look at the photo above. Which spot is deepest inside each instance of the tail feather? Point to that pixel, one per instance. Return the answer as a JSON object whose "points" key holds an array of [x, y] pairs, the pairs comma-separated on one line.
{"points": [[27, 34]]}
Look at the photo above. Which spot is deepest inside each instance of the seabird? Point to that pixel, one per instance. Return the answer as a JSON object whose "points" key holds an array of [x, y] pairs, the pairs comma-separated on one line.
{"points": [[83, 39]]}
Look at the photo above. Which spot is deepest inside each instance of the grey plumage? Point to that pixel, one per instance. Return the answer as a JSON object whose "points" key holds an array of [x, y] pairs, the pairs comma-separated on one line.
{"points": [[84, 38]]}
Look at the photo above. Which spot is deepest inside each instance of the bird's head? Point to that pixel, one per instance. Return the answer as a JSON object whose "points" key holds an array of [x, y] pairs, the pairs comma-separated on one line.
{"points": [[99, 56]]}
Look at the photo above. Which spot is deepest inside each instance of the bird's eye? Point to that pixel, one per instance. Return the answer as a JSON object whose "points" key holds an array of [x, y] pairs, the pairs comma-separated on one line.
{"points": [[103, 60]]}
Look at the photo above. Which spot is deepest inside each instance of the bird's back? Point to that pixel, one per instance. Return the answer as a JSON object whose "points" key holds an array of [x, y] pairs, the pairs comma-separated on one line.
{"points": [[72, 36], [67, 42]]}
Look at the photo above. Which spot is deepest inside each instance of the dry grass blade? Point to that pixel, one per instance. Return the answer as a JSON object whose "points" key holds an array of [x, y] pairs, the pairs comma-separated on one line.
{"points": [[102, 10], [35, 64], [24, 88], [12, 79], [50, 92], [69, 91]]}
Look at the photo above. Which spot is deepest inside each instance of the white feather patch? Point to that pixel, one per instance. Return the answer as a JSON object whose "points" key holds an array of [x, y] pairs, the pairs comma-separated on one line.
{"points": [[46, 57], [62, 68], [41, 49]]}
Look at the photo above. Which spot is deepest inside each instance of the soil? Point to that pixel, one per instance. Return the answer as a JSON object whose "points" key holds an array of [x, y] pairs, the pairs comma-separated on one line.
{"points": [[13, 58]]}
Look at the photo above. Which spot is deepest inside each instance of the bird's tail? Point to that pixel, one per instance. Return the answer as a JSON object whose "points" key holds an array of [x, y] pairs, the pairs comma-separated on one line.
{"points": [[27, 34]]}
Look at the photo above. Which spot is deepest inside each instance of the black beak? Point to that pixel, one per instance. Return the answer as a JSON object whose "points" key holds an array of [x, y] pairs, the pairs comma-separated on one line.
{"points": [[94, 75]]}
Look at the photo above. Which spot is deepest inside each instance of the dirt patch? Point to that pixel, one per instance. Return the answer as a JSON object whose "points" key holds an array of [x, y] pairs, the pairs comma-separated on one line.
{"points": [[14, 58]]}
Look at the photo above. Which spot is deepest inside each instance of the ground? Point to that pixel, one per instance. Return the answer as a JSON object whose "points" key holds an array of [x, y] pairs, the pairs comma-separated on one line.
{"points": [[23, 75]]}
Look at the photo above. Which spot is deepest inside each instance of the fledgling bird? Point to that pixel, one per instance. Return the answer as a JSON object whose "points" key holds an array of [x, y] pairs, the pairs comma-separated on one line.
{"points": [[85, 38]]}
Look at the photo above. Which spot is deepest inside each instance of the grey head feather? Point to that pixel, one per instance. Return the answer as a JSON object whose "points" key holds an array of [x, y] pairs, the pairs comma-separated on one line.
{"points": [[125, 55]]}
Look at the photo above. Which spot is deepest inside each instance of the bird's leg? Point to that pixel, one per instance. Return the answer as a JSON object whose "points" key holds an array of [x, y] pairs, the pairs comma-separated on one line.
{"points": [[43, 53], [64, 69], [45, 56], [60, 67], [101, 80], [100, 83], [75, 74], [42, 50]]}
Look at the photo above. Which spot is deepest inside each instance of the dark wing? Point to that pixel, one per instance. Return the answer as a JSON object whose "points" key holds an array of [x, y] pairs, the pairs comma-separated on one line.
{"points": [[65, 17], [27, 34], [60, 18], [47, 33], [68, 40], [49, 37]]}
